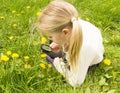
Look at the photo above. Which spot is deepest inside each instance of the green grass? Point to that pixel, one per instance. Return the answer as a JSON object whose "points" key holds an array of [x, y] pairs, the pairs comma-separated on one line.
{"points": [[14, 78]]}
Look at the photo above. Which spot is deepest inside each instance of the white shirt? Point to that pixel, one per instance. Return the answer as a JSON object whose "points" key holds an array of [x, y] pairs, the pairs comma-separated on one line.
{"points": [[91, 53]]}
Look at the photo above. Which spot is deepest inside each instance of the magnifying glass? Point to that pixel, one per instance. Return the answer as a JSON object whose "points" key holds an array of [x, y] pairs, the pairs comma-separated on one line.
{"points": [[48, 50]]}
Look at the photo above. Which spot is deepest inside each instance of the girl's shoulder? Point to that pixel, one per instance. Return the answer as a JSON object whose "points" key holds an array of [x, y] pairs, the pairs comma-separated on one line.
{"points": [[92, 37], [86, 24], [89, 30]]}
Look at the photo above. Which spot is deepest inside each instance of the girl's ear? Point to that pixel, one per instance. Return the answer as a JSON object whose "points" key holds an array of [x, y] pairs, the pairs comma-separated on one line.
{"points": [[66, 31]]}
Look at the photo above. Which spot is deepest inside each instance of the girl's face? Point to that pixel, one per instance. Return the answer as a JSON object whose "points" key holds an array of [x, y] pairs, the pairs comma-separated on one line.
{"points": [[61, 38], [57, 37]]}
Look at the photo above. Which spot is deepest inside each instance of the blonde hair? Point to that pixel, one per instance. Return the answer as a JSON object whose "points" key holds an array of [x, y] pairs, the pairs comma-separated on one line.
{"points": [[55, 17]]}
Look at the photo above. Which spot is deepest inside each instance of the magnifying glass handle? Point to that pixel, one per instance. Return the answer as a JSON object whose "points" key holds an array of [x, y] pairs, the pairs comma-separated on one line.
{"points": [[49, 59], [53, 55]]}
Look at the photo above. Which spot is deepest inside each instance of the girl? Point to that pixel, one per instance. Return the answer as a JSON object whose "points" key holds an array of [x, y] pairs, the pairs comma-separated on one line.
{"points": [[80, 40]]}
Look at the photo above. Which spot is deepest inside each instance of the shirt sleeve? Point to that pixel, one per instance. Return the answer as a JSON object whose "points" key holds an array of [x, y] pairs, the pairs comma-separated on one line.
{"points": [[77, 78]]}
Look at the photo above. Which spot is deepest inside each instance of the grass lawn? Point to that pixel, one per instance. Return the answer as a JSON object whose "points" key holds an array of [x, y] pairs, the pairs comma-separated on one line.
{"points": [[23, 68]]}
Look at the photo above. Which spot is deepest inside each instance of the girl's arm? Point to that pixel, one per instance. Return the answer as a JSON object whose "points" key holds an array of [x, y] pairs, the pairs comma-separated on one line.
{"points": [[77, 78]]}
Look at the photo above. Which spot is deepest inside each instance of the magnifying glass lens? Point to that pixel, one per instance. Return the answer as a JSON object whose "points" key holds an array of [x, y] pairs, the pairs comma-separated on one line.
{"points": [[46, 48]]}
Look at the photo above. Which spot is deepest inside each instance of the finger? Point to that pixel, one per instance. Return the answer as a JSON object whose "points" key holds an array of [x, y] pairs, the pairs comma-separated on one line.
{"points": [[57, 59], [52, 45], [61, 60]]}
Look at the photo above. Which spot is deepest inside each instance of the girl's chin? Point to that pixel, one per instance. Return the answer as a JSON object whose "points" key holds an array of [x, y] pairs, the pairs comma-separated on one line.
{"points": [[65, 48]]}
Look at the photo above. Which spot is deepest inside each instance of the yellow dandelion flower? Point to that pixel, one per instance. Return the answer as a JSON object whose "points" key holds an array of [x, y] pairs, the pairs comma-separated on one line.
{"points": [[87, 19], [43, 40], [26, 57], [49, 65], [107, 62], [18, 14], [11, 37], [4, 58], [42, 66], [22, 12], [10, 16], [43, 55], [27, 66], [113, 36], [13, 11], [27, 7], [14, 25], [2, 17], [9, 53], [38, 13], [15, 55]]}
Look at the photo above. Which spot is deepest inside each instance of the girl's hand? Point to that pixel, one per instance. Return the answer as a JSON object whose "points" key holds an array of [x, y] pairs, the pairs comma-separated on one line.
{"points": [[57, 59], [55, 47], [59, 65]]}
